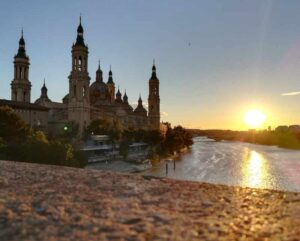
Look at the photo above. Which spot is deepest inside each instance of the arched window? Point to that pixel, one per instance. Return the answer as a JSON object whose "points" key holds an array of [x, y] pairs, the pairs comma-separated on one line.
{"points": [[80, 64], [75, 63], [74, 89], [24, 96]]}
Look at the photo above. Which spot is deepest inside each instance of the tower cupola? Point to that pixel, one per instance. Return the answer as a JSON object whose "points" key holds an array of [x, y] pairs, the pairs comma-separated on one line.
{"points": [[99, 74], [119, 97], [111, 86], [21, 51], [80, 39], [44, 90], [125, 98], [110, 77]]}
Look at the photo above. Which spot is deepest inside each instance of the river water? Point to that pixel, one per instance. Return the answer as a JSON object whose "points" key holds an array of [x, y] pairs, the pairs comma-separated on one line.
{"points": [[236, 163]]}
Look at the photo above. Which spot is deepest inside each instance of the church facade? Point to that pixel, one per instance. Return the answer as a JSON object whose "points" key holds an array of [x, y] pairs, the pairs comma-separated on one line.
{"points": [[85, 100]]}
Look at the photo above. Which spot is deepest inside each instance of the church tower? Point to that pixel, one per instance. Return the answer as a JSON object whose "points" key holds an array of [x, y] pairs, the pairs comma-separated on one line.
{"points": [[111, 86], [79, 82], [21, 86], [154, 100]]}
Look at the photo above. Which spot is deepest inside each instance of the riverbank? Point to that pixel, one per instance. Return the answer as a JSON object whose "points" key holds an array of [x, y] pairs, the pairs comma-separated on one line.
{"points": [[281, 138], [40, 202]]}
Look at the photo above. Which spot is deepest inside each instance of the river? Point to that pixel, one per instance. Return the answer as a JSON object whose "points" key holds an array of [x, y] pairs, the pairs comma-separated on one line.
{"points": [[236, 163]]}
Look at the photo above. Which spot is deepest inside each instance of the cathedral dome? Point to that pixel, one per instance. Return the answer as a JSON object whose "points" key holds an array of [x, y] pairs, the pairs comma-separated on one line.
{"points": [[100, 87], [99, 92], [140, 110]]}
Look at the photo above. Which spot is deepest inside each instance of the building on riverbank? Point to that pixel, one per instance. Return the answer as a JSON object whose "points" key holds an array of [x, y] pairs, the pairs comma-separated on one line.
{"points": [[99, 148], [84, 101]]}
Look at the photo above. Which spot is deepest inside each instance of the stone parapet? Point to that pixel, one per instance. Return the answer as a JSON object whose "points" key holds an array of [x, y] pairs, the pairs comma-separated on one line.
{"points": [[40, 202]]}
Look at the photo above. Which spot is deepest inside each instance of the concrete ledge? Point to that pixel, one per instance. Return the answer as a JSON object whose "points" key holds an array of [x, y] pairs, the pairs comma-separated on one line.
{"points": [[40, 202]]}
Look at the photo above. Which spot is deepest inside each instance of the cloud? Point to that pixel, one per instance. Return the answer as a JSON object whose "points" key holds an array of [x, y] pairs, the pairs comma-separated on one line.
{"points": [[291, 93], [135, 104], [163, 114]]}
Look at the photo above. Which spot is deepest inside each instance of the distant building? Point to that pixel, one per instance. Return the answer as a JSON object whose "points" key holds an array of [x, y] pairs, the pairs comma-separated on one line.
{"points": [[33, 114], [84, 102]]}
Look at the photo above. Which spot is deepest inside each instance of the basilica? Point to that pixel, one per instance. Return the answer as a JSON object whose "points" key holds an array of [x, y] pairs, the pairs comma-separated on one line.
{"points": [[85, 100]]}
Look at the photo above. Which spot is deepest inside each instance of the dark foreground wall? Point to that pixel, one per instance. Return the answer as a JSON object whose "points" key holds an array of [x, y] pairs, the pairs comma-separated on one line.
{"points": [[39, 202]]}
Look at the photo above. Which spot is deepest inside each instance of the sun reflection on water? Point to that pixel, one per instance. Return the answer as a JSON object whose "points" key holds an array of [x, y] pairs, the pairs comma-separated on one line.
{"points": [[255, 170]]}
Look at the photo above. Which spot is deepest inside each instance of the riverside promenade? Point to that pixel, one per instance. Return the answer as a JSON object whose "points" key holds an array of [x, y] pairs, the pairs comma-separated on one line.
{"points": [[40, 202]]}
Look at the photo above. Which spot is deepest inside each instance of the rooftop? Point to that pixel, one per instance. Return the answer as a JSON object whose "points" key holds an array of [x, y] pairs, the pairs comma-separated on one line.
{"points": [[22, 105]]}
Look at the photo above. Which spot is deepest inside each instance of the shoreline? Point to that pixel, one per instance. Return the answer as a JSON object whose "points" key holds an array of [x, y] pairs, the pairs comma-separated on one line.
{"points": [[253, 143]]}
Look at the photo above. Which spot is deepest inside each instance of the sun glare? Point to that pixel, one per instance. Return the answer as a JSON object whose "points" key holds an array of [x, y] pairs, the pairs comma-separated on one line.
{"points": [[254, 118]]}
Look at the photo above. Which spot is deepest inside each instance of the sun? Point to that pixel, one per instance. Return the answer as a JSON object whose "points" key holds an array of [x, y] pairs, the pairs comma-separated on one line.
{"points": [[254, 118]]}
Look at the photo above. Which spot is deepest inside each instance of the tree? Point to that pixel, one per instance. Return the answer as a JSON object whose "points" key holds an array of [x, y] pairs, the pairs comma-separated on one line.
{"points": [[177, 138], [71, 130], [18, 142], [104, 127], [153, 137], [12, 127]]}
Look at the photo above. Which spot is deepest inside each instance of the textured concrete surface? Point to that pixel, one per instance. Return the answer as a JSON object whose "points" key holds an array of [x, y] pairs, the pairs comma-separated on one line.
{"points": [[39, 202]]}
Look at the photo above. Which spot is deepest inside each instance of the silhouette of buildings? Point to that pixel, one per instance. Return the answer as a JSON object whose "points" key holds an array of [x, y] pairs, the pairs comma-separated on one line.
{"points": [[84, 101]]}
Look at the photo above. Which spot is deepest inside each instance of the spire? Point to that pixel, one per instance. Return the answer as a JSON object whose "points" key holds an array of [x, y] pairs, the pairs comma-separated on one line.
{"points": [[110, 78], [44, 90], [153, 76], [99, 77], [80, 39], [80, 28], [153, 67], [119, 96], [110, 72], [125, 98], [22, 41], [21, 51], [140, 101]]}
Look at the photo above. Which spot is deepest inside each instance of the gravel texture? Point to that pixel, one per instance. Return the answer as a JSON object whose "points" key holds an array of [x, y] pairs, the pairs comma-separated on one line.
{"points": [[40, 202]]}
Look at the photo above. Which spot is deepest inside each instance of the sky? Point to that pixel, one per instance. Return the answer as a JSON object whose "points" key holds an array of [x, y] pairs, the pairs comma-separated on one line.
{"points": [[215, 59]]}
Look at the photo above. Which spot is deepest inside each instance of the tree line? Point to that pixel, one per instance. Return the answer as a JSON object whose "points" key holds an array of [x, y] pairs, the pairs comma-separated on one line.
{"points": [[161, 144], [281, 137], [19, 142]]}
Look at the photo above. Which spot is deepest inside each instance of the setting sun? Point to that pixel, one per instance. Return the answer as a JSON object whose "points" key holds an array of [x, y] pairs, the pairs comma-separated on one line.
{"points": [[254, 118]]}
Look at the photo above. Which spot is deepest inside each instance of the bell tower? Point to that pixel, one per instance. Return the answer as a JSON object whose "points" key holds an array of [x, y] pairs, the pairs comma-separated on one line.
{"points": [[21, 86], [79, 82], [154, 101]]}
